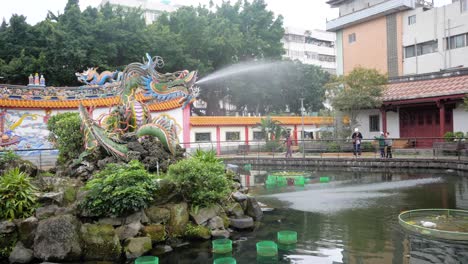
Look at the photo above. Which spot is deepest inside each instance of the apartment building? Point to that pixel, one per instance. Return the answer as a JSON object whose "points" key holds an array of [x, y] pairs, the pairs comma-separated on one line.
{"points": [[152, 9], [311, 47]]}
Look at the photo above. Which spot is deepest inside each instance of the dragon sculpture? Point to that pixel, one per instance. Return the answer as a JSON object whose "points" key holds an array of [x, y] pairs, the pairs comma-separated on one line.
{"points": [[92, 77], [133, 116]]}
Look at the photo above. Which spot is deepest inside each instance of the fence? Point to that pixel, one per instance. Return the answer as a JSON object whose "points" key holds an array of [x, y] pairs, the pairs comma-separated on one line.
{"points": [[425, 148]]}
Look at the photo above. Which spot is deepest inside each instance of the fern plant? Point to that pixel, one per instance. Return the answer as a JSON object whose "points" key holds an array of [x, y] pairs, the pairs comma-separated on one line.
{"points": [[17, 195]]}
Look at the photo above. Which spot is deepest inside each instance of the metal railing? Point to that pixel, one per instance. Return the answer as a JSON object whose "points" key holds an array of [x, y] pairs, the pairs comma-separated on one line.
{"points": [[401, 148]]}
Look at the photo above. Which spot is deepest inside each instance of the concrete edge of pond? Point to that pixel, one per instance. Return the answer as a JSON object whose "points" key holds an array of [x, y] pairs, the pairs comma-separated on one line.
{"points": [[453, 164]]}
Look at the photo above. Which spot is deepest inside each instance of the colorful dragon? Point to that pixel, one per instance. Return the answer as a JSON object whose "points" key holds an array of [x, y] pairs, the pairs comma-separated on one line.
{"points": [[92, 77], [133, 116]]}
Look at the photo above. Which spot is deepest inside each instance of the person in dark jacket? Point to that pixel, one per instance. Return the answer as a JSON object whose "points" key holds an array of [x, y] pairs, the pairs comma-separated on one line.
{"points": [[357, 138]]}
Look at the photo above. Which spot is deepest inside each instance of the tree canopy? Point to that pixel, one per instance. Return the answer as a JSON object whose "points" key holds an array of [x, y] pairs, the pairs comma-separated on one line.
{"points": [[360, 89], [194, 38]]}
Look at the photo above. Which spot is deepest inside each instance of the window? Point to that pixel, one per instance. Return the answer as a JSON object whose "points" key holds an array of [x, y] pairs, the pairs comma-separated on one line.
{"points": [[427, 47], [456, 41], [329, 58], [200, 137], [374, 124], [232, 135], [258, 135], [410, 52], [412, 20], [352, 38], [464, 5]]}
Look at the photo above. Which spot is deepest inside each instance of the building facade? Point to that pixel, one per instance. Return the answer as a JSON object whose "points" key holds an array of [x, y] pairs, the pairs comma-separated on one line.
{"points": [[424, 51], [152, 9], [315, 47]]}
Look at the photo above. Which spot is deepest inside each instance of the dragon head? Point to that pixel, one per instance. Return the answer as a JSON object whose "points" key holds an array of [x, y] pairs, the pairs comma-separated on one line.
{"points": [[86, 76]]}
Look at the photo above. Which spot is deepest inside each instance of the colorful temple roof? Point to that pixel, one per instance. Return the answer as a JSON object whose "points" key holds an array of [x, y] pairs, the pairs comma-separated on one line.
{"points": [[252, 120]]}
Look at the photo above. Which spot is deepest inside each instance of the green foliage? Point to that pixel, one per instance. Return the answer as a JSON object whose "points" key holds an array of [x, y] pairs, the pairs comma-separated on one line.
{"points": [[207, 156], [196, 231], [449, 136], [8, 156], [333, 147], [367, 146], [119, 189], [273, 146], [66, 133], [271, 128], [200, 182], [17, 195], [459, 135], [360, 89]]}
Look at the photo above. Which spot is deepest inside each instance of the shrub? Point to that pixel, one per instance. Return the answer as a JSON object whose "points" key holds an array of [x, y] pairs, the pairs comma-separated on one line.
{"points": [[449, 136], [273, 146], [9, 156], [206, 156], [333, 147], [119, 189], [367, 147], [17, 195], [201, 183], [459, 135], [67, 136]]}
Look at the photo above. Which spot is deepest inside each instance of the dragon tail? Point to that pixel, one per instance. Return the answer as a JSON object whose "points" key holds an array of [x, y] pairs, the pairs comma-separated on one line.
{"points": [[164, 129]]}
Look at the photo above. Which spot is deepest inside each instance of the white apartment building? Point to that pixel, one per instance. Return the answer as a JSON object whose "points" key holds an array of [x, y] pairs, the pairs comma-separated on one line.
{"points": [[311, 47], [435, 39], [152, 9]]}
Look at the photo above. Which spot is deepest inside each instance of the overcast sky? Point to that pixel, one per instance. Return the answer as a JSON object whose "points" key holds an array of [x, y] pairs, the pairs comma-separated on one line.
{"points": [[303, 14]]}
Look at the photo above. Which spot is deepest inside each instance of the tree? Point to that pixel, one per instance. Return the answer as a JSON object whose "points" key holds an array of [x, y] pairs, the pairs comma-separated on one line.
{"points": [[270, 128], [360, 89], [66, 134]]}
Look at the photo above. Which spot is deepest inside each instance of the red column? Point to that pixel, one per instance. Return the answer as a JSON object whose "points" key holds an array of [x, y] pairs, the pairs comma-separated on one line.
{"points": [[218, 140], [246, 135], [441, 118], [295, 134], [186, 126], [384, 119], [2, 120]]}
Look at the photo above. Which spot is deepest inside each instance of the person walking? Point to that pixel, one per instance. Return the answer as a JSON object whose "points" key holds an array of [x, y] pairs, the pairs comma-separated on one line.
{"points": [[388, 143], [357, 138], [381, 140], [288, 143]]}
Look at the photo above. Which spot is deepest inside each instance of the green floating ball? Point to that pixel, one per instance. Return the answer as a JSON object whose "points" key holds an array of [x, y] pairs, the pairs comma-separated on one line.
{"points": [[287, 237], [147, 260], [324, 179], [221, 246], [227, 260], [267, 248]]}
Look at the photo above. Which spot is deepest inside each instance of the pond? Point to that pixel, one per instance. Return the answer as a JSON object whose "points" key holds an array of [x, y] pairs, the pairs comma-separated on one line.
{"points": [[350, 219]]}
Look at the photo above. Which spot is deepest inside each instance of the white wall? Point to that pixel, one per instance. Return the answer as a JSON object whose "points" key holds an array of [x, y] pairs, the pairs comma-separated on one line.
{"points": [[363, 120], [437, 23], [393, 124], [460, 119]]}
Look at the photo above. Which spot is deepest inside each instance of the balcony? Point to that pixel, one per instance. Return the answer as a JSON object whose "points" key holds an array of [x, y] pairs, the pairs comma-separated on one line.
{"points": [[382, 9]]}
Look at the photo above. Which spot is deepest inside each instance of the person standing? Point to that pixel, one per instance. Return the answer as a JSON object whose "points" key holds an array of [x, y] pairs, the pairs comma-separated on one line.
{"points": [[288, 143], [381, 140], [388, 143], [357, 138]]}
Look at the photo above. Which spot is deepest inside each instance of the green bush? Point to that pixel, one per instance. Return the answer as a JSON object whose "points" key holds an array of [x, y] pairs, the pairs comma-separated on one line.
{"points": [[333, 147], [201, 183], [8, 156], [367, 147], [206, 156], [66, 134], [273, 146], [459, 135], [449, 136], [119, 189], [17, 195]]}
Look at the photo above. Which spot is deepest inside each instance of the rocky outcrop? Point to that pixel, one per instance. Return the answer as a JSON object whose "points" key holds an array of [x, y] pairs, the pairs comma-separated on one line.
{"points": [[202, 215], [253, 209], [158, 214], [156, 232], [20, 254], [179, 218], [128, 231], [137, 246], [57, 239], [27, 231], [100, 242]]}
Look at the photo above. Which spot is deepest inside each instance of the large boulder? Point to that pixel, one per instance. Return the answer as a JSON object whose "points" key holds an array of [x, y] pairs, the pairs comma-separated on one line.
{"points": [[58, 239], [235, 209], [137, 246], [242, 223], [202, 215], [156, 232], [216, 223], [51, 198], [253, 209], [20, 254], [27, 231], [179, 218], [128, 231], [100, 242], [158, 214], [7, 227], [46, 211]]}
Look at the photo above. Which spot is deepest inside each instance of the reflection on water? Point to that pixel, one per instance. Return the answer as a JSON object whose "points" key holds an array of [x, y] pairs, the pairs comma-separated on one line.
{"points": [[351, 219]]}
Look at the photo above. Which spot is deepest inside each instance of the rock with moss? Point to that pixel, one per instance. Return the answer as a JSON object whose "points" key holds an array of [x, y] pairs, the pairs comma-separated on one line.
{"points": [[179, 218], [58, 239], [158, 214], [100, 242], [235, 209], [201, 215], [137, 246], [20, 254], [128, 231], [156, 232], [197, 232], [27, 230]]}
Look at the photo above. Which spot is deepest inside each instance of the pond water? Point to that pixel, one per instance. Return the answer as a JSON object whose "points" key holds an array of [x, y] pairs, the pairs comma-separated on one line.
{"points": [[350, 219]]}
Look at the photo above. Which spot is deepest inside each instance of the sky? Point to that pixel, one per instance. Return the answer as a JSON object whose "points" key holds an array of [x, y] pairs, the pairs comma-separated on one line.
{"points": [[301, 14]]}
